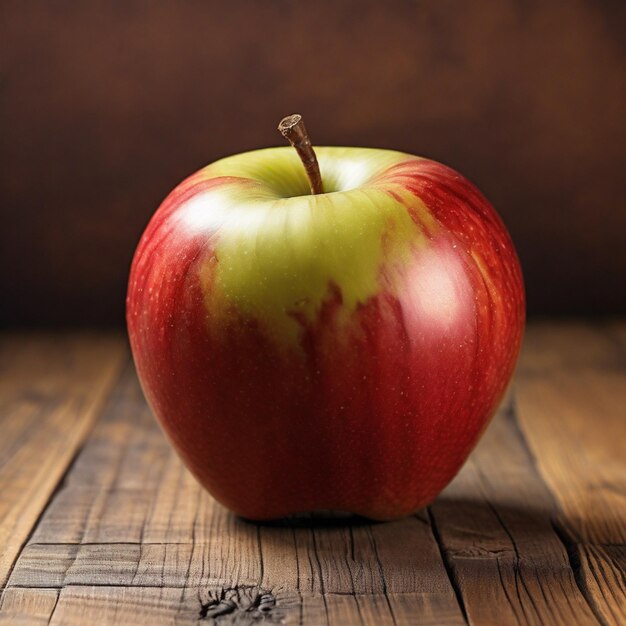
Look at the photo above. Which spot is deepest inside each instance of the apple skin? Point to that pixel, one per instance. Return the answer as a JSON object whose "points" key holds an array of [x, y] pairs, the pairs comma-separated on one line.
{"points": [[341, 351]]}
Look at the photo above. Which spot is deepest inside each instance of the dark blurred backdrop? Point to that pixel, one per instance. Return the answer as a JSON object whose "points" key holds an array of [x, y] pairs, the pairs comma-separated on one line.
{"points": [[105, 106]]}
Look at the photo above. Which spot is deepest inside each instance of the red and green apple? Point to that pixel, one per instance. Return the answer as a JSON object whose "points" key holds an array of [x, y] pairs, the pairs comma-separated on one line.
{"points": [[339, 350]]}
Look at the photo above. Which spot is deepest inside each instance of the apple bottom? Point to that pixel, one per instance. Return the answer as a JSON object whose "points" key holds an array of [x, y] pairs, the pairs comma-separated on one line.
{"points": [[363, 416], [380, 490]]}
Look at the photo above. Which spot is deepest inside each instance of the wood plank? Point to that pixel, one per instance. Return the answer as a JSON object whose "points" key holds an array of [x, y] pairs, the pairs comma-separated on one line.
{"points": [[115, 605], [573, 416], [494, 522], [575, 423], [28, 606], [119, 605], [130, 515], [51, 389]]}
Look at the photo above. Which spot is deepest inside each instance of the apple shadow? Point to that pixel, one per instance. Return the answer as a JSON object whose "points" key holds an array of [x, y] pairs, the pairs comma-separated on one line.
{"points": [[315, 519], [476, 520]]}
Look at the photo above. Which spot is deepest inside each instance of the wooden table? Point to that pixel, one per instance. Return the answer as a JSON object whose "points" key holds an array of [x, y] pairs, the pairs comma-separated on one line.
{"points": [[101, 524]]}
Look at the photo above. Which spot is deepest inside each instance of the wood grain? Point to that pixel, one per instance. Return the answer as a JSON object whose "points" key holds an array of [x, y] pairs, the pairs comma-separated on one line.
{"points": [[495, 526], [50, 392], [572, 409], [28, 606], [530, 532]]}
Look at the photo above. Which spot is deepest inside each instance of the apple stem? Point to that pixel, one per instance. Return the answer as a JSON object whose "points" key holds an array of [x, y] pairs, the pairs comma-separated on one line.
{"points": [[292, 128]]}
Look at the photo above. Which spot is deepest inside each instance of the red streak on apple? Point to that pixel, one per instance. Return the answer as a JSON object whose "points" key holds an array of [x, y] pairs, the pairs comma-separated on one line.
{"points": [[374, 416]]}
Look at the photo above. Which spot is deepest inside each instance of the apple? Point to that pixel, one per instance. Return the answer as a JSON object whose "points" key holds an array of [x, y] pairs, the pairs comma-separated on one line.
{"points": [[342, 349]]}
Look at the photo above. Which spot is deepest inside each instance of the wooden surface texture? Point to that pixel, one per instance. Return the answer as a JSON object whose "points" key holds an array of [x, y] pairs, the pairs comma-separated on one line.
{"points": [[101, 524]]}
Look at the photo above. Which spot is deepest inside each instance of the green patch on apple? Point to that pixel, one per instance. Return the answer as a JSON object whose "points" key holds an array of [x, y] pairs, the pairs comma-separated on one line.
{"points": [[280, 249]]}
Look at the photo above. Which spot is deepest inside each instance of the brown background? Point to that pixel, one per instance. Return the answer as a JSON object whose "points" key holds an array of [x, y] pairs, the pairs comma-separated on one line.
{"points": [[105, 106]]}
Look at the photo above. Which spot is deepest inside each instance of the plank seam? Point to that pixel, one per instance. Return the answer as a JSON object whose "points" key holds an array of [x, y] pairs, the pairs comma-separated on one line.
{"points": [[54, 608], [319, 566], [349, 555], [448, 565], [382, 575], [574, 560], [299, 590]]}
